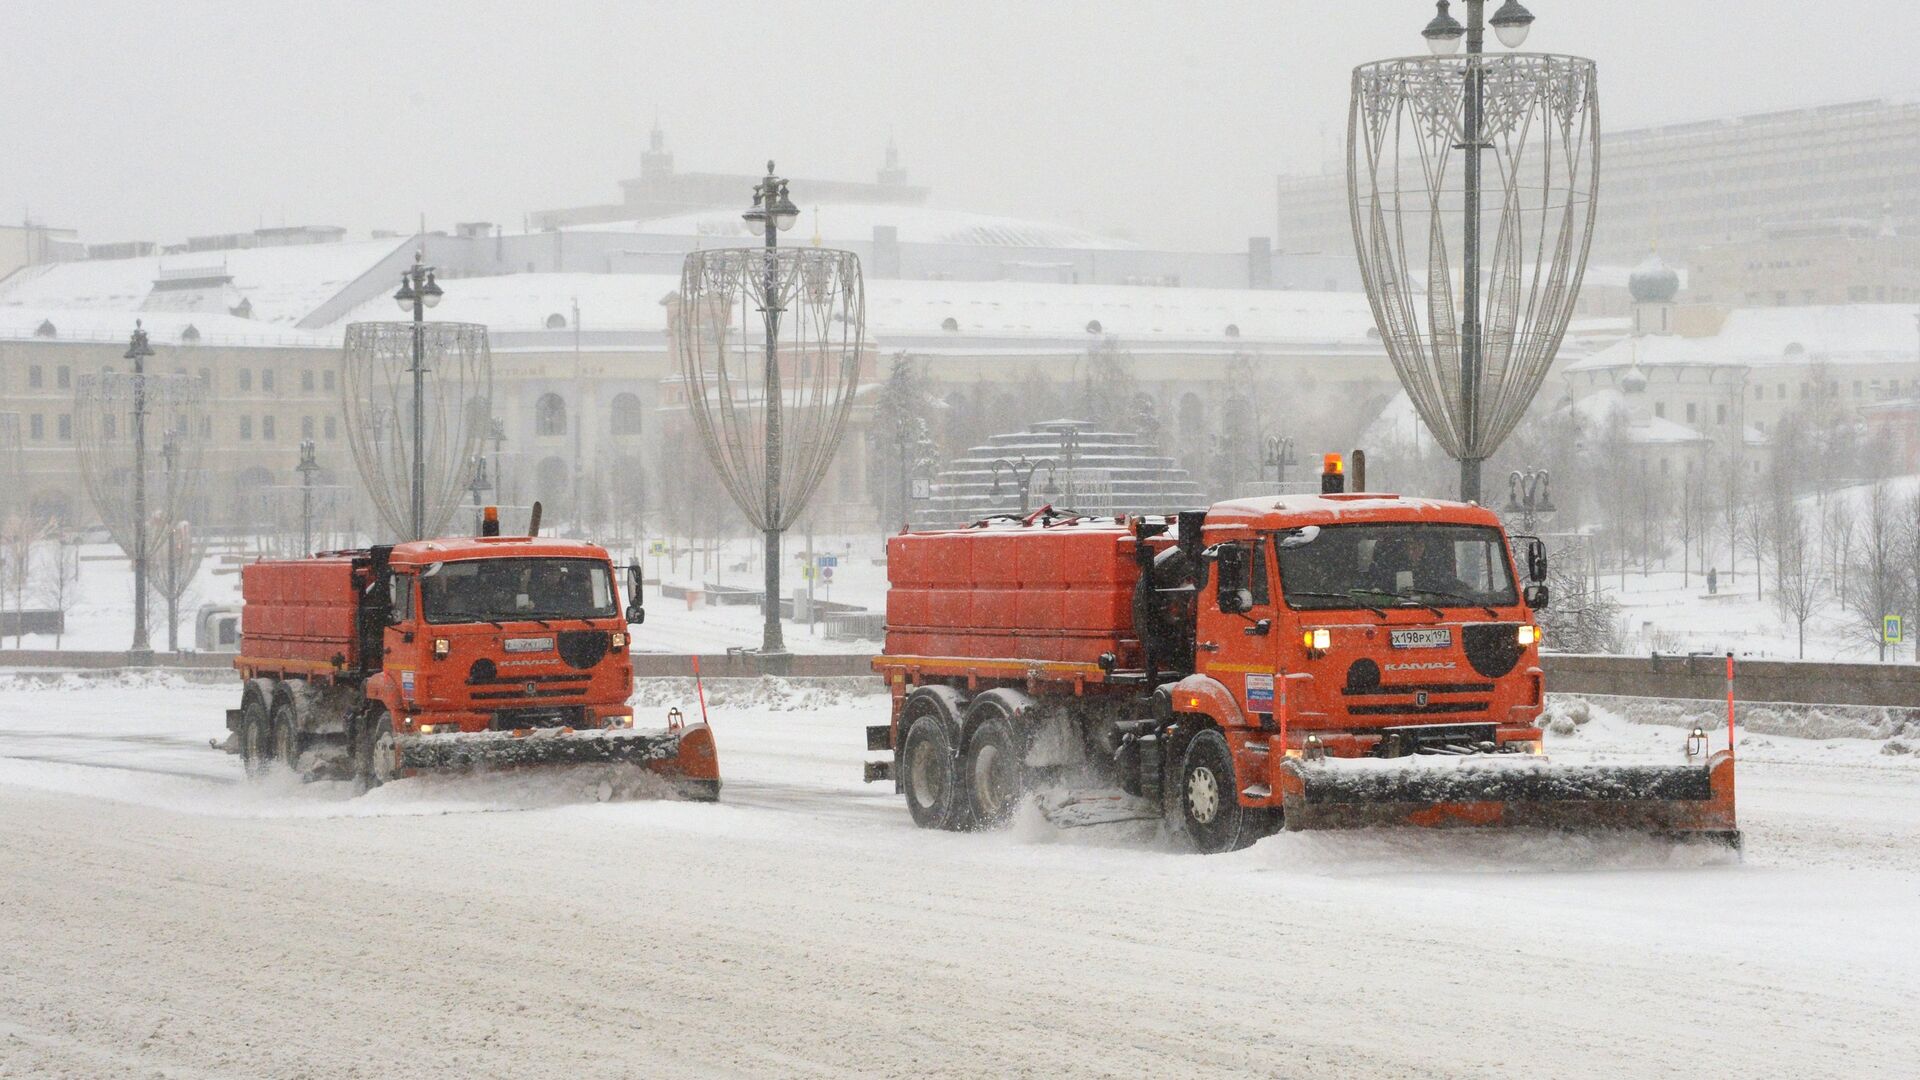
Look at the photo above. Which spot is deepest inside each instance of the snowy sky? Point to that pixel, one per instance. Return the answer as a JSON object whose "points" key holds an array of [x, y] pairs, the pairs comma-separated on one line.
{"points": [[1163, 121]]}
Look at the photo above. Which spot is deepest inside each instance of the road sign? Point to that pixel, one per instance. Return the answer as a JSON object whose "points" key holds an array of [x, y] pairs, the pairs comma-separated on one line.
{"points": [[658, 547], [826, 573], [922, 488], [829, 560], [1892, 630], [807, 572]]}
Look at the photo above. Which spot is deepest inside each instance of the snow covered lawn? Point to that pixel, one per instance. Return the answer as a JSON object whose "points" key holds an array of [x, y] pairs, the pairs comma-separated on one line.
{"points": [[161, 918]]}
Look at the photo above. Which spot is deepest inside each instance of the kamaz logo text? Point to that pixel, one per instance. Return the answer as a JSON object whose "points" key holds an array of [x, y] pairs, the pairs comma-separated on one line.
{"points": [[1437, 665]]}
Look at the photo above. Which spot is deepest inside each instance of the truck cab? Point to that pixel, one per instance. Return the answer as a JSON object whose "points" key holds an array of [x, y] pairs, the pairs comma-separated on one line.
{"points": [[501, 633], [1368, 625]]}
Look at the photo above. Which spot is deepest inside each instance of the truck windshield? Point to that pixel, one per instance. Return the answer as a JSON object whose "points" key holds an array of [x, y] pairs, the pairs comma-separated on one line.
{"points": [[501, 590], [1383, 565]]}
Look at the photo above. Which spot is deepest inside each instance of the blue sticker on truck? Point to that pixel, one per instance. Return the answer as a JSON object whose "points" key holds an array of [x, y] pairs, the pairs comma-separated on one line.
{"points": [[1259, 693], [406, 682]]}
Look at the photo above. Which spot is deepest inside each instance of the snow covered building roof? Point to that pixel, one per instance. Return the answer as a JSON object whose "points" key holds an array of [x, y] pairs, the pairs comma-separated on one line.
{"points": [[1760, 337], [291, 286], [843, 223], [107, 326]]}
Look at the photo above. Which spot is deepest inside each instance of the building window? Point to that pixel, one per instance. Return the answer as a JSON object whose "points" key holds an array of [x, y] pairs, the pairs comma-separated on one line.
{"points": [[246, 378], [38, 426], [1660, 409], [65, 426], [1856, 388], [36, 378], [1690, 412], [266, 427], [326, 380], [306, 380], [206, 427], [108, 425], [63, 377], [1720, 414], [206, 378], [626, 414], [246, 427], [330, 428], [306, 424], [550, 415], [266, 379]]}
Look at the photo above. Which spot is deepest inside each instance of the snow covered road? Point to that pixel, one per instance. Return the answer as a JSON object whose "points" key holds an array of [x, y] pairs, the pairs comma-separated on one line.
{"points": [[159, 918]]}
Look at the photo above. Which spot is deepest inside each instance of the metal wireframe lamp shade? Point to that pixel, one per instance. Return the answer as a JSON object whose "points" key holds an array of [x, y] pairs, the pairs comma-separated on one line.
{"points": [[1406, 189], [818, 303], [103, 438], [377, 396]]}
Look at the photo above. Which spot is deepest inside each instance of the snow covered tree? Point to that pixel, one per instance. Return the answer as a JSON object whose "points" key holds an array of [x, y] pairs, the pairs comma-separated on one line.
{"points": [[1797, 579], [60, 575], [19, 537], [1877, 568]]}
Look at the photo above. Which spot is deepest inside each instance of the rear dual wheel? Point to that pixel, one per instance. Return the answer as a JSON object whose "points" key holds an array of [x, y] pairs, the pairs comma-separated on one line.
{"points": [[929, 773], [256, 736], [993, 768], [287, 740]]}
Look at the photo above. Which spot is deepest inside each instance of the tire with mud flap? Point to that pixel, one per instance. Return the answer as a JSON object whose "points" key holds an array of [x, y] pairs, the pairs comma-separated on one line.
{"points": [[1211, 817], [929, 769], [256, 736], [993, 770], [370, 768], [287, 739]]}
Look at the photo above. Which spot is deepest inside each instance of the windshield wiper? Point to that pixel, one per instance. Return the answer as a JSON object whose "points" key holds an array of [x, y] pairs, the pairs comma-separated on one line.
{"points": [[1467, 600], [1411, 602], [1348, 597]]}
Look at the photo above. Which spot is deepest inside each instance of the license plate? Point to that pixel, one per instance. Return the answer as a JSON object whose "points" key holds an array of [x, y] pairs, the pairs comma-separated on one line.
{"points": [[529, 644], [1422, 639]]}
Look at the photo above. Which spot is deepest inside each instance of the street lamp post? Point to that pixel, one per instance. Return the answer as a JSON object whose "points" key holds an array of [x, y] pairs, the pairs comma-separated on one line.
{"points": [[775, 213], [170, 457], [497, 435], [1279, 455], [479, 487], [1528, 498], [1022, 472], [307, 467], [418, 292], [1443, 36], [137, 351]]}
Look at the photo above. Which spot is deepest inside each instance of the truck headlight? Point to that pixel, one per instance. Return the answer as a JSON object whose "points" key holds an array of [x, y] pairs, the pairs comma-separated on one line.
{"points": [[438, 729], [619, 640], [1529, 635], [620, 720], [1317, 640], [441, 648]]}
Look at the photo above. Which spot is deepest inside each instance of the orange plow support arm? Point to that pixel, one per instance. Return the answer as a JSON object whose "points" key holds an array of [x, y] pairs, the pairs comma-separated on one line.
{"points": [[1674, 800]]}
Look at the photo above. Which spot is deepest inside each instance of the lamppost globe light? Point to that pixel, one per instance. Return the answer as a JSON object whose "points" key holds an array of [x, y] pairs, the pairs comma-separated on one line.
{"points": [[1511, 24], [1443, 34], [405, 297], [784, 212], [431, 292]]}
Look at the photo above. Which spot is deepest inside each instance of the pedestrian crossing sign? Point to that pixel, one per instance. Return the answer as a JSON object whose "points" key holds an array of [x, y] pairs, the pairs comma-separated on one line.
{"points": [[1892, 630]]}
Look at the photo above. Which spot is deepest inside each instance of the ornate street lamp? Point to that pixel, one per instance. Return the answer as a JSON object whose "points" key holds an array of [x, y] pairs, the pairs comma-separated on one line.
{"points": [[479, 487], [137, 351], [771, 413], [1472, 328], [1528, 498], [1021, 472], [307, 467], [418, 292], [1279, 456]]}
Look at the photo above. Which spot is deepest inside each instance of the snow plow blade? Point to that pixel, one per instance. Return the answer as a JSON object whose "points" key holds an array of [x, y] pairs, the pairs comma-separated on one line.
{"points": [[684, 756], [1681, 801]]}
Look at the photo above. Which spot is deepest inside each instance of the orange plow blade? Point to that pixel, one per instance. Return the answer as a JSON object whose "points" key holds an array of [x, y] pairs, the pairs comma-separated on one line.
{"points": [[1681, 801]]}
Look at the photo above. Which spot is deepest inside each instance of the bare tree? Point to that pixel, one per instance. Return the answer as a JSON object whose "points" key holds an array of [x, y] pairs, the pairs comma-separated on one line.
{"points": [[60, 578], [1876, 576], [1797, 578], [1697, 514], [19, 536]]}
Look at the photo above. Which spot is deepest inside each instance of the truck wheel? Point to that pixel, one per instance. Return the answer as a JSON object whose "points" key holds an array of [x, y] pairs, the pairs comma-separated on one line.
{"points": [[929, 777], [286, 737], [1210, 810], [373, 751], [992, 770], [256, 737]]}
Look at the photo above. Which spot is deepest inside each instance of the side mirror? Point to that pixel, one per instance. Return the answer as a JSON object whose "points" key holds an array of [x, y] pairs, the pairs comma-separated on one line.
{"points": [[1536, 559], [1537, 597], [1234, 592], [636, 608]]}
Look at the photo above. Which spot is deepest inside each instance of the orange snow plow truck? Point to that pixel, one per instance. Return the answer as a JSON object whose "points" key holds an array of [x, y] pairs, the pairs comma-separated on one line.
{"points": [[1299, 662], [468, 652]]}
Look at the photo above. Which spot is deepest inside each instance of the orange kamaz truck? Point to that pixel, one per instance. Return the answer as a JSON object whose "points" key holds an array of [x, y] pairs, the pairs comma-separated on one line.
{"points": [[458, 653], [1301, 662]]}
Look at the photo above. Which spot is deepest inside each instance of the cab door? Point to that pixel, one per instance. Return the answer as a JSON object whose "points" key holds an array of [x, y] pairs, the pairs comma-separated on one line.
{"points": [[1239, 629]]}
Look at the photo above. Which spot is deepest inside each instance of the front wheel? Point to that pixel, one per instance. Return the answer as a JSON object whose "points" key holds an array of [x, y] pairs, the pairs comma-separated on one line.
{"points": [[1210, 812], [373, 750]]}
